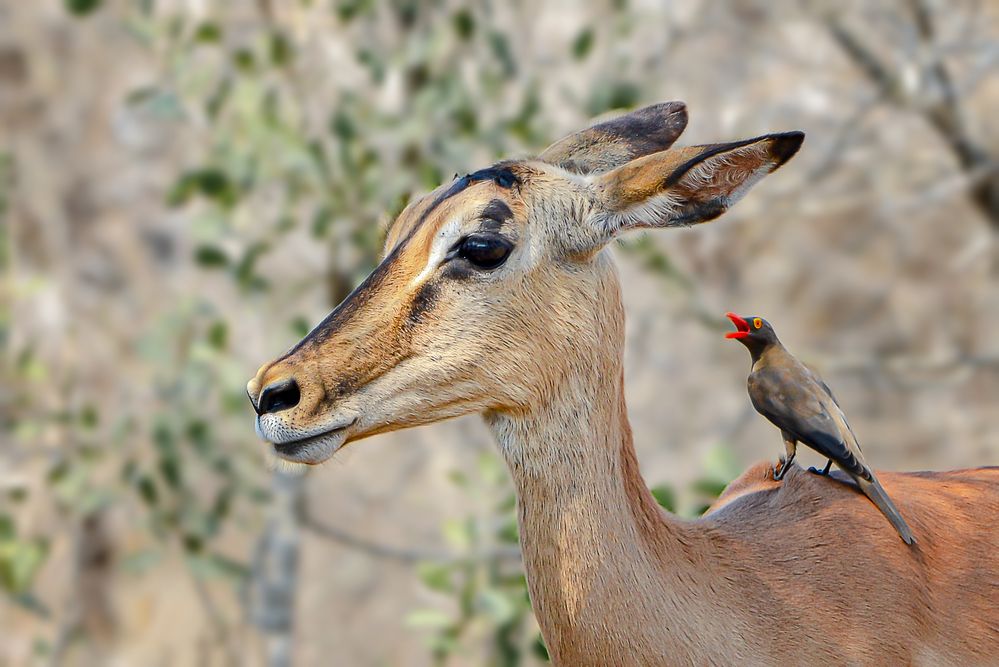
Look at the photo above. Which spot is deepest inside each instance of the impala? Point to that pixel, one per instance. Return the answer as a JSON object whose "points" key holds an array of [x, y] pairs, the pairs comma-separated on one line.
{"points": [[497, 295]]}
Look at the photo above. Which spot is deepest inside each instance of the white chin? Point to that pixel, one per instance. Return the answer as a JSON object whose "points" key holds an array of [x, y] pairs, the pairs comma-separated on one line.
{"points": [[311, 451]]}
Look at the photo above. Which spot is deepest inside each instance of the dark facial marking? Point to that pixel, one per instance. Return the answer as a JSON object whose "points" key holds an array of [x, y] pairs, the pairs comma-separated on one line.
{"points": [[422, 302], [344, 386], [495, 214], [499, 174]]}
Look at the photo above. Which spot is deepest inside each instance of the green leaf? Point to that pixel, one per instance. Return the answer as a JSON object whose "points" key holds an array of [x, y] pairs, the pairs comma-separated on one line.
{"points": [[490, 468], [210, 256], [665, 496], [342, 126], [459, 533], [222, 504], [464, 24], [140, 562], [198, 432], [208, 33], [158, 102], [321, 222], [508, 504], [7, 530], [19, 562], [500, 46], [436, 577], [58, 472], [720, 464], [458, 478], [218, 335], [215, 101], [427, 618], [348, 9], [281, 50], [147, 490], [192, 543], [710, 487], [509, 532], [88, 416], [163, 438], [616, 95], [81, 7], [540, 650], [217, 566], [244, 270], [583, 43], [209, 182], [497, 605], [244, 60], [300, 326], [170, 471]]}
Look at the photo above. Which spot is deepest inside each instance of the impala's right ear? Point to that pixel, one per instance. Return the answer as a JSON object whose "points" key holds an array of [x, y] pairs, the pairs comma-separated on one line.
{"points": [[614, 142], [684, 186]]}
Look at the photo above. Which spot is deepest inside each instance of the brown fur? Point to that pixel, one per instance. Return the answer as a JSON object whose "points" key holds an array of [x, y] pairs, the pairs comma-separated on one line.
{"points": [[805, 572], [614, 142]]}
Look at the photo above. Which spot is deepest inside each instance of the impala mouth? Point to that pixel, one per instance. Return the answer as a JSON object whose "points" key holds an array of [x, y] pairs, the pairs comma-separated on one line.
{"points": [[313, 449], [741, 325]]}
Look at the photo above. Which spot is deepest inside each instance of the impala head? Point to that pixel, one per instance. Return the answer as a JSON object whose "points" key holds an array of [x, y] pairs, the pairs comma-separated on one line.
{"points": [[495, 284]]}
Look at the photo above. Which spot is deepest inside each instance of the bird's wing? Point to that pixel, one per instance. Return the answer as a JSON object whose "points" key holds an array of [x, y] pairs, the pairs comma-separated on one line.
{"points": [[825, 387], [798, 405], [838, 412]]}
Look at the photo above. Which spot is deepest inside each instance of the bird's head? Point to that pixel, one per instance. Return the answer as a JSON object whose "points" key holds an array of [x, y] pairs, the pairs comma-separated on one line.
{"points": [[753, 332]]}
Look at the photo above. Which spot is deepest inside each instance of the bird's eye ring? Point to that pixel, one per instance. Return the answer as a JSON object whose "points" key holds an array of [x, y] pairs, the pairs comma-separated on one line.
{"points": [[757, 323]]}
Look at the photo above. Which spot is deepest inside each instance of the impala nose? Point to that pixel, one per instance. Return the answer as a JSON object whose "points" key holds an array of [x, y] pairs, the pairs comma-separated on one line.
{"points": [[278, 396]]}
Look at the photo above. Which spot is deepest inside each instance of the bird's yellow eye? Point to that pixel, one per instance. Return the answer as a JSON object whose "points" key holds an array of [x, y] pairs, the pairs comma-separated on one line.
{"points": [[757, 323]]}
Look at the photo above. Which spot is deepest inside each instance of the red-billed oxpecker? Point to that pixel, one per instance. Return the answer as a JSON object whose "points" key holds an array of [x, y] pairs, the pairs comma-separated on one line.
{"points": [[802, 406]]}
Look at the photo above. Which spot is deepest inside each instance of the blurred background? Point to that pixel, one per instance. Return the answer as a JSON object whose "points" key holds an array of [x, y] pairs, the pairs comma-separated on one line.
{"points": [[187, 186]]}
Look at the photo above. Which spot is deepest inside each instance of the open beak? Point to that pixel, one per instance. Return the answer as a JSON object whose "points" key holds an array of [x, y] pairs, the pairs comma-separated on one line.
{"points": [[741, 325]]}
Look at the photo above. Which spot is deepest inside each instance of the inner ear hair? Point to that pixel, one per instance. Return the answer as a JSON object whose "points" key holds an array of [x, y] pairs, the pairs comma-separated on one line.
{"points": [[689, 185]]}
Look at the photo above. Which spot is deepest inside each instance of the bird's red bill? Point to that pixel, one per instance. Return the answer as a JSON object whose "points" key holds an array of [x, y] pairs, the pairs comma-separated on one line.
{"points": [[741, 325]]}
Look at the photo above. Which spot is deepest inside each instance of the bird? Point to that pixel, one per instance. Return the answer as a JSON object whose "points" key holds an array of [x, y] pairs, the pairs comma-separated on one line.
{"points": [[798, 402]]}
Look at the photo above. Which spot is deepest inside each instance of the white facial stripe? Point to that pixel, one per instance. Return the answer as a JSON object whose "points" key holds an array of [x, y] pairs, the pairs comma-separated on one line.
{"points": [[443, 240]]}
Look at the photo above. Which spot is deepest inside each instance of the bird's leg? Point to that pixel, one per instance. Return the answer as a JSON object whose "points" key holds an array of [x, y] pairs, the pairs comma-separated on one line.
{"points": [[790, 449], [824, 471]]}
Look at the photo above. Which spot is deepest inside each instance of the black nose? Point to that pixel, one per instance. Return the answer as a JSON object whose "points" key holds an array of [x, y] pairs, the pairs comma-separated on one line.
{"points": [[279, 396]]}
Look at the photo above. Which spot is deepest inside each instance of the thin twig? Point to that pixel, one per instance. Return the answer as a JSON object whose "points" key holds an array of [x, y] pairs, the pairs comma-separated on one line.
{"points": [[400, 554], [937, 100], [220, 629]]}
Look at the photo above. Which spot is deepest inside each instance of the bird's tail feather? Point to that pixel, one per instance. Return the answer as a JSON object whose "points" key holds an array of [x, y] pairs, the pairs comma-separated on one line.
{"points": [[873, 490]]}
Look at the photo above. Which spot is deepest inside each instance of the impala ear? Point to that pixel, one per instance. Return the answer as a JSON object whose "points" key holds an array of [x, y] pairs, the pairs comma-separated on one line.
{"points": [[614, 142], [685, 186]]}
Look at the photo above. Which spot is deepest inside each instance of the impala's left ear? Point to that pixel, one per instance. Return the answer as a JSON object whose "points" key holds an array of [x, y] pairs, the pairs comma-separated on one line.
{"points": [[614, 142], [685, 186]]}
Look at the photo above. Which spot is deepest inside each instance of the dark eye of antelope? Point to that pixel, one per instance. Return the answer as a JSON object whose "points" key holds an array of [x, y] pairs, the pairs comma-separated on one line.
{"points": [[484, 250]]}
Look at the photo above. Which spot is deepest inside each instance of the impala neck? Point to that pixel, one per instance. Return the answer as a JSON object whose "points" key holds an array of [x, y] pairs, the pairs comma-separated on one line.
{"points": [[602, 558]]}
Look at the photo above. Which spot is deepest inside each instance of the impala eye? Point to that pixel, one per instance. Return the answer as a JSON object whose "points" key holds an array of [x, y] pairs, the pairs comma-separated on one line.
{"points": [[486, 251]]}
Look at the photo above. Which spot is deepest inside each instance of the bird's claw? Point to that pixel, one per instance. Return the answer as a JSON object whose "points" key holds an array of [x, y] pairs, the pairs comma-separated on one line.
{"points": [[823, 472], [780, 469]]}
